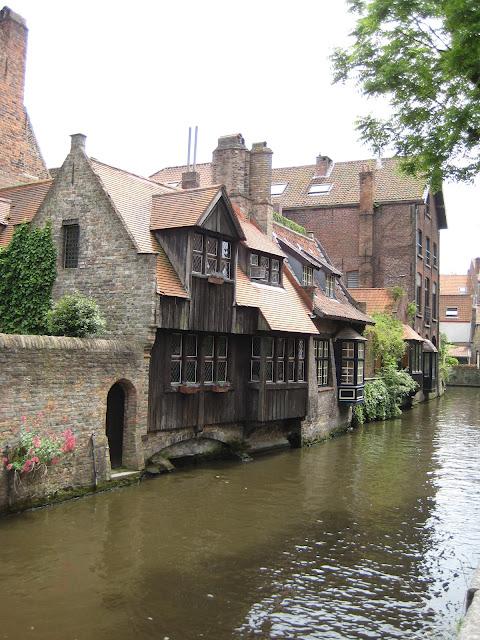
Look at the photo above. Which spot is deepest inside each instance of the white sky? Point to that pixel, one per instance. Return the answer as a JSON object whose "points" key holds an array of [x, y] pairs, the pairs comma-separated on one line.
{"points": [[133, 76]]}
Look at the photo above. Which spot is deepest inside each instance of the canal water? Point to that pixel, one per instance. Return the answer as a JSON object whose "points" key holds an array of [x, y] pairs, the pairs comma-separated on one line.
{"points": [[372, 535]]}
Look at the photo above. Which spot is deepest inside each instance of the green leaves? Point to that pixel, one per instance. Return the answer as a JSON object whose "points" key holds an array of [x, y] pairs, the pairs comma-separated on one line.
{"points": [[387, 339], [27, 274], [424, 56], [75, 315]]}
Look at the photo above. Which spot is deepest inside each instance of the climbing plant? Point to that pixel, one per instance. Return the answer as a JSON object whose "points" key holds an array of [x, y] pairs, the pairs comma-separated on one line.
{"points": [[445, 360], [387, 339], [27, 274]]}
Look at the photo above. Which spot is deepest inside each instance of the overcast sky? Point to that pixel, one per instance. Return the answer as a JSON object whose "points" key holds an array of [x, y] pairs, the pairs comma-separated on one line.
{"points": [[133, 76]]}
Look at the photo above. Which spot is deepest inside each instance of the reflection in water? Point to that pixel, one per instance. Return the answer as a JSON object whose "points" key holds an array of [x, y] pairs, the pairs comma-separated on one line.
{"points": [[372, 535]]}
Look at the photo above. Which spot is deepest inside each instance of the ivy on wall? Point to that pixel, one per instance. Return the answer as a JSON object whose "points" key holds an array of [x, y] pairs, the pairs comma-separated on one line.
{"points": [[27, 274]]}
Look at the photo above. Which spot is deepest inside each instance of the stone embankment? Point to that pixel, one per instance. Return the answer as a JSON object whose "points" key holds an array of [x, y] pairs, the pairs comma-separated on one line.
{"points": [[470, 629], [464, 375]]}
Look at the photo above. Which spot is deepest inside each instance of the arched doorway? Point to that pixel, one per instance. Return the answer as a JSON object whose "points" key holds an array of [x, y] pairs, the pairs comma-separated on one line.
{"points": [[115, 423]]}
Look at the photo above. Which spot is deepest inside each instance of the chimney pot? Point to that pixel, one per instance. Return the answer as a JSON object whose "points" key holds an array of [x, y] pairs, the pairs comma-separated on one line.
{"points": [[78, 141], [190, 180]]}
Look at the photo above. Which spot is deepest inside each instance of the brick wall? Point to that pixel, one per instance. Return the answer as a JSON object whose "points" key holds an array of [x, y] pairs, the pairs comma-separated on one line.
{"points": [[68, 379], [110, 270], [20, 157]]}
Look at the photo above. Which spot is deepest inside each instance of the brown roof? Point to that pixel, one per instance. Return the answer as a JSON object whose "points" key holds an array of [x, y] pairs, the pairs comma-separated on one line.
{"points": [[390, 184], [450, 285], [376, 300], [458, 351], [182, 208], [168, 282], [255, 238], [132, 198], [282, 308], [411, 334], [338, 308], [462, 302], [25, 201], [174, 174], [307, 246]]}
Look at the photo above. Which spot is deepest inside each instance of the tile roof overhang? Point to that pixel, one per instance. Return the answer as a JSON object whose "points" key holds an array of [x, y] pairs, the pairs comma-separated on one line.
{"points": [[377, 300], [24, 201], [347, 333], [429, 347], [273, 303], [190, 208], [410, 334], [459, 351], [335, 309]]}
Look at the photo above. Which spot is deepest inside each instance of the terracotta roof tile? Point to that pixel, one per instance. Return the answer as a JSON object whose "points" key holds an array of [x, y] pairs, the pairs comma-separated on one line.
{"points": [[338, 308], [305, 245], [132, 198], [25, 201], [174, 174], [376, 300], [458, 351], [451, 285], [411, 334], [168, 282], [255, 238], [390, 184], [282, 308], [181, 208], [462, 302]]}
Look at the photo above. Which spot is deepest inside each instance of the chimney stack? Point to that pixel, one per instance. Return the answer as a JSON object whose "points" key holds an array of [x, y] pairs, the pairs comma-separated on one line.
{"points": [[190, 180], [366, 189], [261, 186], [324, 166], [78, 141], [20, 157], [231, 167]]}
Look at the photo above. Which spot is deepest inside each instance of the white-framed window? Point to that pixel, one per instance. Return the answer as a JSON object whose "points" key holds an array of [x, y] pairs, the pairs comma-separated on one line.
{"points": [[330, 285], [278, 188], [451, 312], [307, 276], [264, 269], [322, 361], [319, 189]]}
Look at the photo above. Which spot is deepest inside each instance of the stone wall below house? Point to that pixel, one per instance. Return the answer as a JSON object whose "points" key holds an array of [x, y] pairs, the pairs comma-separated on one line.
{"points": [[63, 383], [464, 375]]}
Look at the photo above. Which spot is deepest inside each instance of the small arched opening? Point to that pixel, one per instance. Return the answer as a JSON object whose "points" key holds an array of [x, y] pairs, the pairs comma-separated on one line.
{"points": [[434, 341], [115, 423]]}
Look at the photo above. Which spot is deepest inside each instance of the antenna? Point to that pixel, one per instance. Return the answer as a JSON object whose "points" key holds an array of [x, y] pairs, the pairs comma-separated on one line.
{"points": [[189, 145], [195, 150]]}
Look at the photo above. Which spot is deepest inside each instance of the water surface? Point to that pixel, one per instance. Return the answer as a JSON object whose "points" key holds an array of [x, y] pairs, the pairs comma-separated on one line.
{"points": [[372, 535]]}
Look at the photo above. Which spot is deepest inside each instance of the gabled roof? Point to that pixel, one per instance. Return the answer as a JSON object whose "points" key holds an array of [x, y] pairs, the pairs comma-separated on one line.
{"points": [[189, 208], [131, 196], [281, 308], [411, 334], [25, 200], [255, 239], [450, 285]]}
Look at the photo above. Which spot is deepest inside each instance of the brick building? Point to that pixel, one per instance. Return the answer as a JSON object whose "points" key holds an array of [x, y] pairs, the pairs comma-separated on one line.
{"points": [[378, 227], [20, 157]]}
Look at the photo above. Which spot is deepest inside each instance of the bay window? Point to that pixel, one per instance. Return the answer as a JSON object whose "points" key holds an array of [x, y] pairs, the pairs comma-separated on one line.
{"points": [[350, 356], [212, 255], [283, 358]]}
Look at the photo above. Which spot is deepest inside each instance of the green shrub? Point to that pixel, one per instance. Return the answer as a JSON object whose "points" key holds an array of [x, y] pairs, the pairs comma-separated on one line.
{"points": [[384, 395], [289, 223], [75, 315], [387, 339], [445, 361]]}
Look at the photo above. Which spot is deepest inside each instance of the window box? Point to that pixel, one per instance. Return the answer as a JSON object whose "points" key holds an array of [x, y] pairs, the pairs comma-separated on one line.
{"points": [[216, 279], [189, 388], [220, 388]]}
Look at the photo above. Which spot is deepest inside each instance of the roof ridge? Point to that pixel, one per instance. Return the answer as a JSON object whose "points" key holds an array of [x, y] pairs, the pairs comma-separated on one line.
{"points": [[187, 191], [135, 175], [304, 166], [181, 166]]}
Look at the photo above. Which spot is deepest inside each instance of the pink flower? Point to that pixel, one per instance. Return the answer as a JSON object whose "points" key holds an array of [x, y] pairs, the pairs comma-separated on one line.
{"points": [[9, 467], [54, 460], [27, 466], [36, 459], [24, 418], [5, 460], [37, 441]]}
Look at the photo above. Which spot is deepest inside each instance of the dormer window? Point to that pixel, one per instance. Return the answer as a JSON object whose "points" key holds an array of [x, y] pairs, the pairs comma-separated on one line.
{"points": [[330, 285], [319, 189], [211, 255], [264, 269]]}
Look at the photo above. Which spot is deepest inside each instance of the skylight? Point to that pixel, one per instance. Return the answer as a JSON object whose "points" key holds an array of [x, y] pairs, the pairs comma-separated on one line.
{"points": [[172, 184], [278, 189], [319, 189]]}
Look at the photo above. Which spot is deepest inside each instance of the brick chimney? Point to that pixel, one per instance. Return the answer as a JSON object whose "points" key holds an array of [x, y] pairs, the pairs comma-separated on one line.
{"points": [[20, 157], [366, 228], [231, 167], [261, 185], [190, 180], [324, 165]]}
